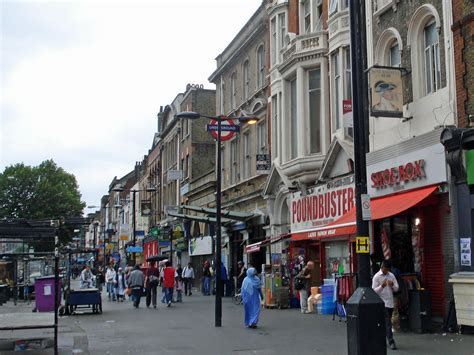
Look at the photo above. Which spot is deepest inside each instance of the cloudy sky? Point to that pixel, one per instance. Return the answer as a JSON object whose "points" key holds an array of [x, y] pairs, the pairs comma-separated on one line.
{"points": [[83, 80]]}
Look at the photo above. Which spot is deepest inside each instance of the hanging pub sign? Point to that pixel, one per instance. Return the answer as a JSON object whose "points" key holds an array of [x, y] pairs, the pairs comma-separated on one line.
{"points": [[146, 208], [386, 92]]}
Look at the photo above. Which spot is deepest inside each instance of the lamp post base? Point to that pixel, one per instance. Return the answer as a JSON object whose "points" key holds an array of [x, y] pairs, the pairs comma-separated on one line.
{"points": [[366, 323]]}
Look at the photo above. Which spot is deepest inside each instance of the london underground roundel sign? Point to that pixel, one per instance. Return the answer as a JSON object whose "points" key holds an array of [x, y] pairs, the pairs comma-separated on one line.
{"points": [[228, 129]]}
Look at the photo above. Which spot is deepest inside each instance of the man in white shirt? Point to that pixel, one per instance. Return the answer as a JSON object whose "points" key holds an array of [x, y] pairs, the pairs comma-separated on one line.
{"points": [[86, 277], [188, 278], [110, 281], [385, 284]]}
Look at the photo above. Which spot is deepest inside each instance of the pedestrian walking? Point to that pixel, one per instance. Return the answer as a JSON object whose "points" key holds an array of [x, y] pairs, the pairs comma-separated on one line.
{"points": [[136, 280], [86, 277], [385, 284], [179, 287], [168, 282], [151, 283], [110, 277], [120, 285], [241, 274], [251, 296], [100, 278], [188, 278], [305, 280], [206, 279]]}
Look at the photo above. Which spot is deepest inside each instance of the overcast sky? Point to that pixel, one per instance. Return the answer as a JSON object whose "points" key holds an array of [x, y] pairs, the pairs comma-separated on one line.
{"points": [[83, 80]]}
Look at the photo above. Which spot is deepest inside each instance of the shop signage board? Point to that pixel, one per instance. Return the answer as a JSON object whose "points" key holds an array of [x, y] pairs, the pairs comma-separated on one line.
{"points": [[124, 237], [264, 164], [253, 248], [465, 251], [200, 246], [423, 167], [322, 205], [362, 245], [184, 189], [347, 115], [134, 249], [174, 175]]}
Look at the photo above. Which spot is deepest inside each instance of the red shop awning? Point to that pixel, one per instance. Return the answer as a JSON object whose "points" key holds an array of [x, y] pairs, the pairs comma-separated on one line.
{"points": [[381, 207]]}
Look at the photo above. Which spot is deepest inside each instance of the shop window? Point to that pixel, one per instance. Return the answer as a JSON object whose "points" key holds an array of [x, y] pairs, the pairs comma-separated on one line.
{"points": [[246, 83], [260, 66], [431, 58], [247, 156], [336, 81], [233, 91], [293, 120], [337, 258], [314, 98]]}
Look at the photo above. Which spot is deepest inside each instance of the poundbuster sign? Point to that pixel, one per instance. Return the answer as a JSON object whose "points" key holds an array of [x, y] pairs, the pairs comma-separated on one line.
{"points": [[323, 205]]}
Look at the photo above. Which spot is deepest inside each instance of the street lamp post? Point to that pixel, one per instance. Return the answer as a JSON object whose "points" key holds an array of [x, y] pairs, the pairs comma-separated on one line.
{"points": [[365, 309], [219, 286]]}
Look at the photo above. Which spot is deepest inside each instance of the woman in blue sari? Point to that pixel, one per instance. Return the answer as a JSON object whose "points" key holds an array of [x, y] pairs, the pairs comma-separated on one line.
{"points": [[251, 294]]}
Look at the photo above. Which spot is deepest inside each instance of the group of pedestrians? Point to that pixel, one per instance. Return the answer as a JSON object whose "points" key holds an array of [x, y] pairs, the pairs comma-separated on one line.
{"points": [[116, 284]]}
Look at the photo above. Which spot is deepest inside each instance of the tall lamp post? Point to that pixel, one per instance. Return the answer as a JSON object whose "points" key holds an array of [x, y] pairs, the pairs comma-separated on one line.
{"points": [[249, 120], [365, 309]]}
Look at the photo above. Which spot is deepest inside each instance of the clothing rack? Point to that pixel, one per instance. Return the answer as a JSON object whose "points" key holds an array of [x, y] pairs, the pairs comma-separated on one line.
{"points": [[348, 282]]}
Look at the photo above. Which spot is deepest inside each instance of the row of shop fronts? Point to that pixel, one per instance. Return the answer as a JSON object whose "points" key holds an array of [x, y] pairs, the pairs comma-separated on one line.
{"points": [[411, 220], [410, 224]]}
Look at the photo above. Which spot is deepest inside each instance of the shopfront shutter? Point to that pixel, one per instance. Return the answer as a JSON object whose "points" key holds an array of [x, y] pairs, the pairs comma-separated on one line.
{"points": [[433, 259]]}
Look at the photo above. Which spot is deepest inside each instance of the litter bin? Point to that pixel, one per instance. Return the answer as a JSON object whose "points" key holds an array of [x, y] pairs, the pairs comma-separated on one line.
{"points": [[44, 293], [463, 287]]}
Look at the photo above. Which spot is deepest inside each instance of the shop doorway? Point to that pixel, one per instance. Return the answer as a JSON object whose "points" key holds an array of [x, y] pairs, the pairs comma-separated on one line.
{"points": [[314, 255]]}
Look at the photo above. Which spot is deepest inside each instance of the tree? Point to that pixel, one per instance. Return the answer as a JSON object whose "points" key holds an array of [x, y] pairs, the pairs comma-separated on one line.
{"points": [[42, 192], [45, 191]]}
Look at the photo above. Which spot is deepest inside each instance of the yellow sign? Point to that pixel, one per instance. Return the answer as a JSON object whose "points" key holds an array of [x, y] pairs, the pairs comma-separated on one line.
{"points": [[124, 237], [362, 245], [109, 246]]}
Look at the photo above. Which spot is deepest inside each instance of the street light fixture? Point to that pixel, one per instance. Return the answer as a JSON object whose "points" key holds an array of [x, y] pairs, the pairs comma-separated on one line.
{"points": [[190, 115]]}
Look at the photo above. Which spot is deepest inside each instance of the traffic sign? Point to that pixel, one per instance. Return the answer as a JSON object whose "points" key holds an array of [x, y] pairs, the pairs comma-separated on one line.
{"points": [[366, 211], [224, 128], [362, 245], [226, 133]]}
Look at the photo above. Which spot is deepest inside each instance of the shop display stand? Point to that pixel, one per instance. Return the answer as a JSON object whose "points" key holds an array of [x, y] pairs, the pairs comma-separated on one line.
{"points": [[342, 300]]}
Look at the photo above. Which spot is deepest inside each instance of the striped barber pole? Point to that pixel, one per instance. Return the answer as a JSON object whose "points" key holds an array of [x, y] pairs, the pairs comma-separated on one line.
{"points": [[387, 253]]}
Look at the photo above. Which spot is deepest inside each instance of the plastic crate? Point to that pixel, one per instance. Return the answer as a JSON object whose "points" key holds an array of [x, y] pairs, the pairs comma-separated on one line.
{"points": [[329, 309], [327, 288]]}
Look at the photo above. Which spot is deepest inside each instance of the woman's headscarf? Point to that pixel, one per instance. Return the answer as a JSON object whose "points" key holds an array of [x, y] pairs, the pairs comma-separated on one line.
{"points": [[251, 282]]}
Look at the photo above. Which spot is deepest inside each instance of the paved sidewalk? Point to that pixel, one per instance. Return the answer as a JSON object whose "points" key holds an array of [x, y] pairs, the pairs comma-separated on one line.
{"points": [[188, 328]]}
